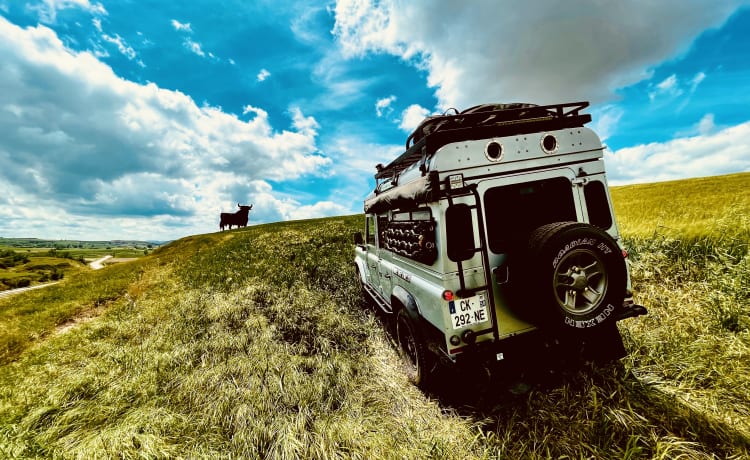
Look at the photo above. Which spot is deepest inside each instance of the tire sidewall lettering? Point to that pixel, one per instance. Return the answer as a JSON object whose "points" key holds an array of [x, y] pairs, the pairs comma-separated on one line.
{"points": [[576, 243], [593, 322]]}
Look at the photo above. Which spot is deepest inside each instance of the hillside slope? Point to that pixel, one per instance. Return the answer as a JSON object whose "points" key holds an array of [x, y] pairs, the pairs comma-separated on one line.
{"points": [[690, 208], [254, 343]]}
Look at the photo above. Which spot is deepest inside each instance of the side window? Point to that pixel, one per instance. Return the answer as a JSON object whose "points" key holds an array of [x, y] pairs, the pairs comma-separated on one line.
{"points": [[459, 232], [597, 205], [410, 234], [370, 237]]}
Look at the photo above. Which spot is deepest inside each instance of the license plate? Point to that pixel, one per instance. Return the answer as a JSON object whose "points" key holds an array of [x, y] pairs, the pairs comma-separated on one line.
{"points": [[469, 311]]}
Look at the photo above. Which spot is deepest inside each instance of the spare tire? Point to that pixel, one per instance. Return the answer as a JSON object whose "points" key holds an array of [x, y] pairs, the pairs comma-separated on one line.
{"points": [[574, 276]]}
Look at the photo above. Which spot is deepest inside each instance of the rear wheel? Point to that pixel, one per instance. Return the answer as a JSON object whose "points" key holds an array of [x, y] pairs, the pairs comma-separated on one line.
{"points": [[575, 276], [414, 354]]}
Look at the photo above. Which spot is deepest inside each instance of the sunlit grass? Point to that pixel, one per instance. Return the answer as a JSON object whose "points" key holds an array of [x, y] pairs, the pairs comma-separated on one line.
{"points": [[715, 207], [28, 317]]}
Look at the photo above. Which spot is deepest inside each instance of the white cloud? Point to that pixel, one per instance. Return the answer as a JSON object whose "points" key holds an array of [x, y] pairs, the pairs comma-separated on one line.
{"points": [[605, 120], [122, 46], [78, 142], [703, 127], [706, 125], [263, 74], [383, 106], [541, 52], [194, 47], [341, 90], [177, 25], [697, 80], [47, 9], [669, 87], [412, 116], [354, 161], [721, 152], [319, 209]]}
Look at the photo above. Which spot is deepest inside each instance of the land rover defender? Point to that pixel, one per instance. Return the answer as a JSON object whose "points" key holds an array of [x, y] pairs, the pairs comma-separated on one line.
{"points": [[493, 233]]}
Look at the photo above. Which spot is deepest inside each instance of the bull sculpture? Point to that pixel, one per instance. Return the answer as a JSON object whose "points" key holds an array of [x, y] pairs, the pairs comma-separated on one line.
{"points": [[238, 218]]}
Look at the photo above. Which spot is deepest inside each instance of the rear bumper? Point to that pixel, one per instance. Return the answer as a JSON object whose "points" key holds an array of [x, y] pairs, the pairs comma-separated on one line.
{"points": [[539, 348]]}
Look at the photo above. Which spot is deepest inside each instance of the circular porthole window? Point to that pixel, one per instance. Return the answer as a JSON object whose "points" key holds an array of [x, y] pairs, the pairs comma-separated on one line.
{"points": [[494, 151], [549, 143]]}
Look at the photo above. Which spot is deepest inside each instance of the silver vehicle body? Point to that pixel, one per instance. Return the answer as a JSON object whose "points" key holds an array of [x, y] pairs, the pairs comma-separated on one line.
{"points": [[446, 215]]}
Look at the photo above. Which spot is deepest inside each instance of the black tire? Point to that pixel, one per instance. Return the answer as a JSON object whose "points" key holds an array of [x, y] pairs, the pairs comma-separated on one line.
{"points": [[418, 363], [574, 277]]}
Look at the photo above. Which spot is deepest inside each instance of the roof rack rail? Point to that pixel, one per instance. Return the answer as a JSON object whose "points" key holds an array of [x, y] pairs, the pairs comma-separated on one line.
{"points": [[480, 122]]}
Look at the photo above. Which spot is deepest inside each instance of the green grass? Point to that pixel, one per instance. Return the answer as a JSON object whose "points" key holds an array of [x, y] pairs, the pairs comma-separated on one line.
{"points": [[27, 318], [713, 207], [254, 343]]}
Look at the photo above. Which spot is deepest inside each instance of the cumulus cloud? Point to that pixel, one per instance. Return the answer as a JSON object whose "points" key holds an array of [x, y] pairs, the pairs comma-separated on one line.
{"points": [[412, 116], [77, 140], [721, 152], [559, 51]]}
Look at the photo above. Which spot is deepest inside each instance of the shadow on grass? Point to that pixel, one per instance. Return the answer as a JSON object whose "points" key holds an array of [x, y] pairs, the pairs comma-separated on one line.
{"points": [[574, 407], [543, 405]]}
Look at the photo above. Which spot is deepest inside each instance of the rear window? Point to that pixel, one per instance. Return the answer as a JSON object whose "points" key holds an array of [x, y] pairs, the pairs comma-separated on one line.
{"points": [[597, 205], [513, 211]]}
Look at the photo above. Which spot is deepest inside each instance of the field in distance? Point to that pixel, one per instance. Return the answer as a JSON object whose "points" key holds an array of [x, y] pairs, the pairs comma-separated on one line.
{"points": [[30, 261], [254, 343]]}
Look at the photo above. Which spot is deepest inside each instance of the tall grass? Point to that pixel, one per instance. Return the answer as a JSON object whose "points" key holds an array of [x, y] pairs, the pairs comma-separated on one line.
{"points": [[29, 317], [228, 353], [255, 343], [707, 207]]}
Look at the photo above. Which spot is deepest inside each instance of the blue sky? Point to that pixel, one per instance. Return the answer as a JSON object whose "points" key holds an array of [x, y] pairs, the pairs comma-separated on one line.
{"points": [[137, 119]]}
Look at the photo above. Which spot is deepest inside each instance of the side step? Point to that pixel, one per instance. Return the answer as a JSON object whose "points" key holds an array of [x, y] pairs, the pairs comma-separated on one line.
{"points": [[377, 298]]}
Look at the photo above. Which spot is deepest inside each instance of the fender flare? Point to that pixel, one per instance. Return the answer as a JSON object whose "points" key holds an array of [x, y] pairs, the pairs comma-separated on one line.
{"points": [[407, 300], [433, 337]]}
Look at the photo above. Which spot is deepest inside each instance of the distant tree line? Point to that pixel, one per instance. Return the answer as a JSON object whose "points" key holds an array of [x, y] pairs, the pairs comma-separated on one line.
{"points": [[74, 244]]}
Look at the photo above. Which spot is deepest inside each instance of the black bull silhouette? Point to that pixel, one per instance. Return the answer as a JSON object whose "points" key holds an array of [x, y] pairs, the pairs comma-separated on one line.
{"points": [[238, 218]]}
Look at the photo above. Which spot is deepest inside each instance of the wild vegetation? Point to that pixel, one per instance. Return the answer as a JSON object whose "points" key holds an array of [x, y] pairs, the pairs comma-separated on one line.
{"points": [[254, 343], [22, 266]]}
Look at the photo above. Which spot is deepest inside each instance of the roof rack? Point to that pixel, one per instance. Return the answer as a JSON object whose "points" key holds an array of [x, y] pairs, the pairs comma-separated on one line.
{"points": [[481, 122]]}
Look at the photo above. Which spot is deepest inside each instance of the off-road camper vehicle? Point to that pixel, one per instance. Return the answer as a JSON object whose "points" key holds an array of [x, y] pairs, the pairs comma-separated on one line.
{"points": [[492, 232]]}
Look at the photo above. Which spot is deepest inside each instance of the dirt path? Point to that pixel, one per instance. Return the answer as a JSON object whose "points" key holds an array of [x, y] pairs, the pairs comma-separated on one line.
{"points": [[98, 263], [10, 292]]}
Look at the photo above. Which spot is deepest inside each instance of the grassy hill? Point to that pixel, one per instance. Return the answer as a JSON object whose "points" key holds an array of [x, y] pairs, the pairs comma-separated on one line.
{"points": [[254, 343]]}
